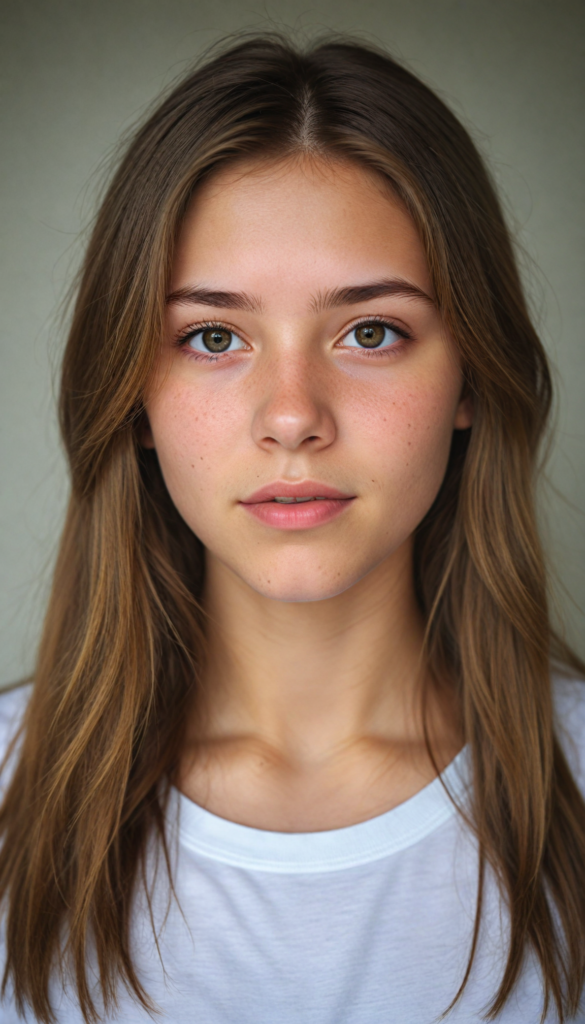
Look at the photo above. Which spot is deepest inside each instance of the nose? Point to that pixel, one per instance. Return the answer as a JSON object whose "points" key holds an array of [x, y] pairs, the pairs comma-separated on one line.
{"points": [[293, 410]]}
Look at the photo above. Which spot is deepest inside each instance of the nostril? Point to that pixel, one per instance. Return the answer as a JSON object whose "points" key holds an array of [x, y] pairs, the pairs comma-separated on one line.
{"points": [[276, 423]]}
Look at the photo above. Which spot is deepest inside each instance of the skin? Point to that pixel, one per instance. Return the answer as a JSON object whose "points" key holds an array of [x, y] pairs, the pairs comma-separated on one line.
{"points": [[312, 713]]}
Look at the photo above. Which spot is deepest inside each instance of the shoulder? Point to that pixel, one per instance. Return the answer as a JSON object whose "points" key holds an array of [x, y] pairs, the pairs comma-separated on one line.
{"points": [[569, 707], [13, 705]]}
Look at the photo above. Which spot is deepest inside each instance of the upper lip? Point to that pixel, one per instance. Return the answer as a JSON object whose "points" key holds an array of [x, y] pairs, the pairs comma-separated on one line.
{"points": [[307, 489]]}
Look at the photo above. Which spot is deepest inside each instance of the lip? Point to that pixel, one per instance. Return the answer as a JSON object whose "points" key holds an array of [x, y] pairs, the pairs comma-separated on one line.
{"points": [[306, 489], [294, 516]]}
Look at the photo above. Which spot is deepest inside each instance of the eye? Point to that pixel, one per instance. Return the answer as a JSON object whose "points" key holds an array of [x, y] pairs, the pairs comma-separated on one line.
{"points": [[373, 335], [214, 340]]}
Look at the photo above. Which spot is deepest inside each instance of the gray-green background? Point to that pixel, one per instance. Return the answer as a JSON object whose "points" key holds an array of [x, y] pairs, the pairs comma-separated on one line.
{"points": [[76, 73]]}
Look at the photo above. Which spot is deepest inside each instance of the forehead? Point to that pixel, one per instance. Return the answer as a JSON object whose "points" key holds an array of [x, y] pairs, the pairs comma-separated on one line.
{"points": [[294, 225]]}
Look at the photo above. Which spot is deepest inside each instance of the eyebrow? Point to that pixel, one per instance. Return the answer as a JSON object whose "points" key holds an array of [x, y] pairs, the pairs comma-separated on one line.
{"points": [[351, 295], [209, 297]]}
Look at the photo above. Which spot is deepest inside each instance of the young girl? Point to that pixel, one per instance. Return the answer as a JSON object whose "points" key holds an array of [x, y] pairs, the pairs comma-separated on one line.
{"points": [[301, 746]]}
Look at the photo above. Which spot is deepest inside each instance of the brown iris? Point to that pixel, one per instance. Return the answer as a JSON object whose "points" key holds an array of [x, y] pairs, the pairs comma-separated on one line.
{"points": [[216, 339], [370, 335]]}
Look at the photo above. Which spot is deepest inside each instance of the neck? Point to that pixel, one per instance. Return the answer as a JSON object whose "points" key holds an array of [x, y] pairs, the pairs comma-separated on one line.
{"points": [[307, 678], [312, 713]]}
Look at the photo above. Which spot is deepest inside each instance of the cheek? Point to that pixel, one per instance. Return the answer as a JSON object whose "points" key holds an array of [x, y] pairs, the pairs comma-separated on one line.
{"points": [[405, 439], [194, 435]]}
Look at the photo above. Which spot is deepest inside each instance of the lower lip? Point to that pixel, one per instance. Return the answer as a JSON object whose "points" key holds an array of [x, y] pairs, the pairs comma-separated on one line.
{"points": [[298, 515]]}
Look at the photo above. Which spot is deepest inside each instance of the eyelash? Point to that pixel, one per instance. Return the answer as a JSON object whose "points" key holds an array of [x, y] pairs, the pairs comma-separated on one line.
{"points": [[380, 353], [205, 325], [372, 353]]}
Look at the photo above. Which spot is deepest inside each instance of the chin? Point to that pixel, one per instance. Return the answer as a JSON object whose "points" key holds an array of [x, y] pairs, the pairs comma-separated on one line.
{"points": [[297, 589], [298, 595]]}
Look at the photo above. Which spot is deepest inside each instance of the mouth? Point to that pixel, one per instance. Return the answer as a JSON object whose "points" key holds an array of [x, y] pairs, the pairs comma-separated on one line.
{"points": [[284, 493], [297, 506], [290, 501]]}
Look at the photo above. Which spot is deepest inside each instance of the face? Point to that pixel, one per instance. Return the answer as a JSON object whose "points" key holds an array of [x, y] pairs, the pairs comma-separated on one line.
{"points": [[304, 358]]}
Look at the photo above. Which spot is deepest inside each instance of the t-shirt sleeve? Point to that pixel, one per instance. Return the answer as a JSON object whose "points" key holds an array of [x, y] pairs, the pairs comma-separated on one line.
{"points": [[569, 700], [12, 707]]}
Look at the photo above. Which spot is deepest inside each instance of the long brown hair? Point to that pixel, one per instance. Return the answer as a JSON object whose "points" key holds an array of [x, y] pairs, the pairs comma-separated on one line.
{"points": [[123, 641]]}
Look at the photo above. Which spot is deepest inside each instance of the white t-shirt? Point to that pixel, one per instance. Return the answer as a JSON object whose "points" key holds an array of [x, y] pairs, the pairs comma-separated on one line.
{"points": [[369, 924]]}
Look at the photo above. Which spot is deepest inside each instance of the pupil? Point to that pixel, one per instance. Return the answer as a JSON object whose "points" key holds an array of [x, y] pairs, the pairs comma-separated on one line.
{"points": [[216, 340], [370, 335]]}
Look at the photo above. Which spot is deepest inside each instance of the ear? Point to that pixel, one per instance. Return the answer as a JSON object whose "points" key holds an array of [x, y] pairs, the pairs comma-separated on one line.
{"points": [[464, 412]]}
